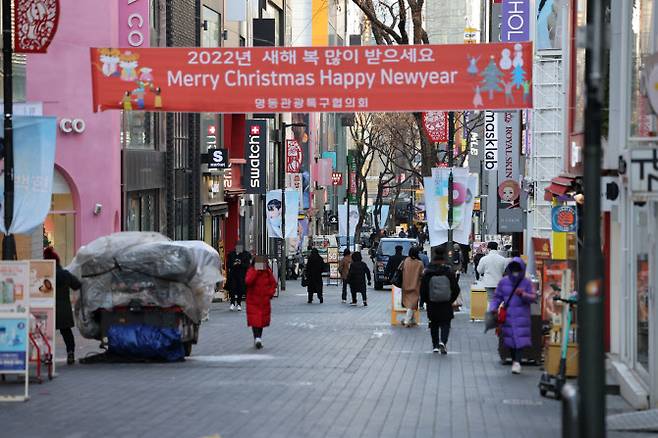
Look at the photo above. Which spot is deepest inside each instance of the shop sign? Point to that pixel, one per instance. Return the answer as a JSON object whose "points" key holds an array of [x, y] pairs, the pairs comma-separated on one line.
{"points": [[515, 24], [294, 156], [563, 219], [217, 158], [35, 25], [644, 171], [510, 213], [490, 140], [313, 79], [134, 23], [255, 176], [542, 247], [337, 178], [68, 126]]}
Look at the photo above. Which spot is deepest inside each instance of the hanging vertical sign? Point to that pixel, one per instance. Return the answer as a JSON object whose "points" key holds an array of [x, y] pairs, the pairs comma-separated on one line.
{"points": [[515, 25], [255, 174], [435, 124], [352, 185], [294, 156], [35, 25], [510, 213], [134, 23], [490, 140]]}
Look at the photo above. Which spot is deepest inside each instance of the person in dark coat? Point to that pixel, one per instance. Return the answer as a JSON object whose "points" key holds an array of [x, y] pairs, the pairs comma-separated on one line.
{"points": [[440, 314], [261, 287], [356, 277], [237, 264], [65, 281], [466, 257], [394, 262], [518, 293], [315, 266]]}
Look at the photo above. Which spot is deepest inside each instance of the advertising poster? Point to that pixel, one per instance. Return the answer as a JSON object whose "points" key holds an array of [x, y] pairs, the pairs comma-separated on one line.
{"points": [[342, 219], [13, 344], [42, 302], [553, 271], [303, 139], [274, 213], [34, 161], [510, 213], [14, 280], [295, 182], [313, 79]]}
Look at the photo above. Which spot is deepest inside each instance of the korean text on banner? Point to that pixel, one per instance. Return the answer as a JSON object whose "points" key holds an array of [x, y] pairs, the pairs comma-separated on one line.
{"points": [[318, 79], [34, 161]]}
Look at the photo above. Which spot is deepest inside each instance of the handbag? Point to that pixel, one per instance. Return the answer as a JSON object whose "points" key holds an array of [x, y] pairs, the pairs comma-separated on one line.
{"points": [[304, 278], [502, 309], [459, 302]]}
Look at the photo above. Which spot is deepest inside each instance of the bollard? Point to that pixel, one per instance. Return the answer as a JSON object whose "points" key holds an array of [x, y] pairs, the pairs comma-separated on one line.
{"points": [[569, 411]]}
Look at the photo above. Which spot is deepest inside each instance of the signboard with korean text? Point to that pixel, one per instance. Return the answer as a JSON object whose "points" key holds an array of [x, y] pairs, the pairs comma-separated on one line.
{"points": [[318, 79]]}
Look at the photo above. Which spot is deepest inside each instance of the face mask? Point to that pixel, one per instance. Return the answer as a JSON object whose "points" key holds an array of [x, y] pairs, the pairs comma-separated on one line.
{"points": [[515, 274]]}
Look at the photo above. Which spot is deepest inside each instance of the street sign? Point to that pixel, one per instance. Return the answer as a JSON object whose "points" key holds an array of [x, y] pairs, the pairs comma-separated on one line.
{"points": [[435, 124], [217, 159], [337, 178]]}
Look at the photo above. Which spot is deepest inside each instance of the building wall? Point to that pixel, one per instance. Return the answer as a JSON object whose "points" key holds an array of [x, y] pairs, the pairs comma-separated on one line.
{"points": [[90, 161]]}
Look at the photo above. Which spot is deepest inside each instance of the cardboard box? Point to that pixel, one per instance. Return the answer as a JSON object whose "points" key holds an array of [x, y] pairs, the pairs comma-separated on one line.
{"points": [[552, 359], [479, 303]]}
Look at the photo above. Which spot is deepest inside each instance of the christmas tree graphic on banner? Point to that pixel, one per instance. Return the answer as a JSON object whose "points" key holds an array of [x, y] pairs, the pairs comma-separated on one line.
{"points": [[491, 77], [518, 76]]}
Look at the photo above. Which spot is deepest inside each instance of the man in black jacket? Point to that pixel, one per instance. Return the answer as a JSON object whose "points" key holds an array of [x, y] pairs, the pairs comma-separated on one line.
{"points": [[440, 313], [394, 262], [237, 264]]}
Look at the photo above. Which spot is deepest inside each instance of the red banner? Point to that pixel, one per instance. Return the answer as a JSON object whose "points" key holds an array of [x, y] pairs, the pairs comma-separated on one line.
{"points": [[35, 24], [436, 126], [322, 79], [294, 156]]}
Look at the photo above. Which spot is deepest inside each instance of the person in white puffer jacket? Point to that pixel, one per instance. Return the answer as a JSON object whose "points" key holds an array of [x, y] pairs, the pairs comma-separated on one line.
{"points": [[491, 269]]}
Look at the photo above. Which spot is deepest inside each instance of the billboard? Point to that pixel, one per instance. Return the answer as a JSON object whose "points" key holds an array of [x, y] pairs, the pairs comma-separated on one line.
{"points": [[318, 79]]}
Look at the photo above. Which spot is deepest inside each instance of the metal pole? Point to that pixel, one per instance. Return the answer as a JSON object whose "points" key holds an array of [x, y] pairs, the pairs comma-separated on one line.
{"points": [[451, 163], [349, 191], [9, 245], [591, 295], [282, 181]]}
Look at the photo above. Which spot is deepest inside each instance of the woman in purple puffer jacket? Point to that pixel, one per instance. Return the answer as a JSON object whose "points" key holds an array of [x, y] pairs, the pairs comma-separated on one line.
{"points": [[516, 330]]}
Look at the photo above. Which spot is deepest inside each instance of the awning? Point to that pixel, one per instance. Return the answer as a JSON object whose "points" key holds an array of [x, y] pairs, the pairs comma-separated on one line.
{"points": [[228, 193], [217, 209], [559, 186]]}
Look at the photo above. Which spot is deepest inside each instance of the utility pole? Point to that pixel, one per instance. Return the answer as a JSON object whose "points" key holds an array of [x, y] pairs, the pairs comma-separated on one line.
{"points": [[591, 294], [9, 245], [451, 163]]}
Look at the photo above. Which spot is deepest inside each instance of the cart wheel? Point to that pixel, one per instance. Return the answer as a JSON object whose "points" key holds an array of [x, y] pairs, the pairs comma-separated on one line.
{"points": [[188, 348], [543, 392]]}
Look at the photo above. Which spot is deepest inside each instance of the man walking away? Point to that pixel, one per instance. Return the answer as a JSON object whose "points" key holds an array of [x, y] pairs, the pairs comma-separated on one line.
{"points": [[394, 262], [238, 263], [491, 269], [439, 289], [343, 270], [356, 277]]}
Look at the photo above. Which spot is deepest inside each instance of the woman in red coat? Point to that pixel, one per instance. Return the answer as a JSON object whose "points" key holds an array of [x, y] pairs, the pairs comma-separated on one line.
{"points": [[261, 287]]}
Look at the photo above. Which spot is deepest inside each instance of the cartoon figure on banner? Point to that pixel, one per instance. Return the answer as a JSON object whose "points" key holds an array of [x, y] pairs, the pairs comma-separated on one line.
{"points": [[110, 60], [509, 97], [157, 100], [145, 74], [505, 60], [128, 64], [526, 91], [127, 102], [139, 93], [508, 194], [477, 99], [473, 65]]}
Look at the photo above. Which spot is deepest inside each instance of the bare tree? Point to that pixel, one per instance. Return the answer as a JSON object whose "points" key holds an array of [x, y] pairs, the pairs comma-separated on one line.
{"points": [[364, 137]]}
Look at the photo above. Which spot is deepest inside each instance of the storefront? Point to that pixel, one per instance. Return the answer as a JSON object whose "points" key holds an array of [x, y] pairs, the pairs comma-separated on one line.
{"points": [[634, 222]]}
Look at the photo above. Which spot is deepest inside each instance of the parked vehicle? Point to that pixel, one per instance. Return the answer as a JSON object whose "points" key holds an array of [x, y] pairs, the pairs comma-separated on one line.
{"points": [[385, 250]]}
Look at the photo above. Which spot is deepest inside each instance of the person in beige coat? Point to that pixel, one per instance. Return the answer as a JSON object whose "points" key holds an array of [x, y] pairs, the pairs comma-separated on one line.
{"points": [[343, 270], [412, 274]]}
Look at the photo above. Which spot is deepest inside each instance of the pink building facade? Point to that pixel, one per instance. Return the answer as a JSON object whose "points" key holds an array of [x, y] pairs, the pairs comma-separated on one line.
{"points": [[87, 184]]}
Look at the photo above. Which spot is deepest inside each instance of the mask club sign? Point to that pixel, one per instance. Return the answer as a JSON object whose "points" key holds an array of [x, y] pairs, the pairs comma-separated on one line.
{"points": [[256, 155], [312, 79]]}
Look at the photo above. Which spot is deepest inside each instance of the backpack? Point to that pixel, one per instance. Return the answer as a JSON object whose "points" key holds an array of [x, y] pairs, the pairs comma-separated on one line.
{"points": [[439, 289]]}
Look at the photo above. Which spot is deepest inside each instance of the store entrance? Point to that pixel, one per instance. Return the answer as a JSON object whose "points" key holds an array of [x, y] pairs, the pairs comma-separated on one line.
{"points": [[59, 226]]}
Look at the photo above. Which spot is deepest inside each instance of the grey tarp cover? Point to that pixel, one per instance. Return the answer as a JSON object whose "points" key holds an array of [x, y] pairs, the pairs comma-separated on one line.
{"points": [[147, 268]]}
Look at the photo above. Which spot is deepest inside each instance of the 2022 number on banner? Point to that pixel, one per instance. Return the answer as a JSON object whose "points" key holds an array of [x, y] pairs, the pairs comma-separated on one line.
{"points": [[324, 79]]}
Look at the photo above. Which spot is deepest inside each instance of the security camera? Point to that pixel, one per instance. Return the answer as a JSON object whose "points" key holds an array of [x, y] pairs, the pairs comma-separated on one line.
{"points": [[97, 209]]}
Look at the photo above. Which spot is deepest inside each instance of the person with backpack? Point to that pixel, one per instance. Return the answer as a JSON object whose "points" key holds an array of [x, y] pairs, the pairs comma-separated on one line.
{"points": [[439, 289], [356, 277]]}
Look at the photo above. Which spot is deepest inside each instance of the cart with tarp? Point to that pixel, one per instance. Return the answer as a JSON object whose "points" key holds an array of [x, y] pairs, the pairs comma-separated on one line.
{"points": [[143, 295]]}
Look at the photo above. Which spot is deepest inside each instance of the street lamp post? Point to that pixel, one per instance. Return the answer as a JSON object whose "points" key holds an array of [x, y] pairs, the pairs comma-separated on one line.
{"points": [[282, 181], [8, 245], [451, 163]]}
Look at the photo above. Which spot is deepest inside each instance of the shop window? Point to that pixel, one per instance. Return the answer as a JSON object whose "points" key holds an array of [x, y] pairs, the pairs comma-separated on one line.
{"points": [[643, 121], [142, 211], [642, 248], [211, 26], [140, 130]]}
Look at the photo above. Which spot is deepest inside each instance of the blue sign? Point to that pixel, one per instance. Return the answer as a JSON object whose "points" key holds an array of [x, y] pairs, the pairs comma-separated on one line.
{"points": [[34, 161], [563, 219], [13, 344]]}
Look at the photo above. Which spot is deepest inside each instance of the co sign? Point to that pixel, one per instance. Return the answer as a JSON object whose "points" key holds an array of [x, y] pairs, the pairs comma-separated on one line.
{"points": [[72, 125]]}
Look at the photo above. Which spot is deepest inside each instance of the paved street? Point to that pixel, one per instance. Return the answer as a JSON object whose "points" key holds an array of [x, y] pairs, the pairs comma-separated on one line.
{"points": [[326, 370]]}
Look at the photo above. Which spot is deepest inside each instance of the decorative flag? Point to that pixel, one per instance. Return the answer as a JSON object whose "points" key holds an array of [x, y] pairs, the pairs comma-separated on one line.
{"points": [[35, 24]]}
